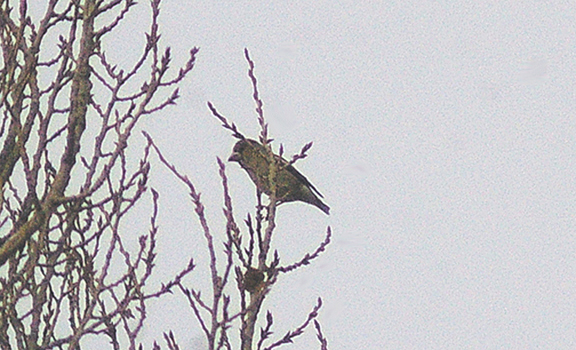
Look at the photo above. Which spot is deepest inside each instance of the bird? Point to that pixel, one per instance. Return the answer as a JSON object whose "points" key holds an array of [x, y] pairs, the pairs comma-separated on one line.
{"points": [[291, 185]]}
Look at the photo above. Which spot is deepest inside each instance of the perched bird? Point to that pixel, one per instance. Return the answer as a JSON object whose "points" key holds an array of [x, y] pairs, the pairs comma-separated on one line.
{"points": [[290, 184]]}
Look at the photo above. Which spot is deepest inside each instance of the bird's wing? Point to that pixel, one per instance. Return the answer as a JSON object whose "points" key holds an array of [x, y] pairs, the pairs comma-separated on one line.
{"points": [[300, 177]]}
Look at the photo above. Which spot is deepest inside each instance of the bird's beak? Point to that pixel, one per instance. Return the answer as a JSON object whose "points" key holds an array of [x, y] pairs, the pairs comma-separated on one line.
{"points": [[235, 157]]}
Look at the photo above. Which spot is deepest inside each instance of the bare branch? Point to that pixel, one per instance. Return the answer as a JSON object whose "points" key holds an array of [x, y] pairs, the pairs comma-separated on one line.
{"points": [[302, 153], [309, 257], [230, 126], [289, 336], [323, 341], [263, 125]]}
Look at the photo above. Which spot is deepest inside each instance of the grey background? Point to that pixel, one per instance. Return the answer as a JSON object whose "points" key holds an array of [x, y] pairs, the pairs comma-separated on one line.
{"points": [[444, 141]]}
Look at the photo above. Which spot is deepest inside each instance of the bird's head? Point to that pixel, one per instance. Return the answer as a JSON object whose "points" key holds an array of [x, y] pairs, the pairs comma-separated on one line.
{"points": [[247, 150], [239, 150]]}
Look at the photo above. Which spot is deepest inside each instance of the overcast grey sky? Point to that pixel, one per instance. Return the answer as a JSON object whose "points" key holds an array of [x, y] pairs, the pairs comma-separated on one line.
{"points": [[444, 142]]}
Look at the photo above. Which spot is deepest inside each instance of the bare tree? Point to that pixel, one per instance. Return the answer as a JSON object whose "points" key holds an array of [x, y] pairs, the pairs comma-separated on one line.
{"points": [[67, 183], [256, 267], [66, 272]]}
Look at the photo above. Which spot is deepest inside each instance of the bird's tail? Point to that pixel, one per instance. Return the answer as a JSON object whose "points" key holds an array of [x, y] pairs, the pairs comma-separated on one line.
{"points": [[322, 206]]}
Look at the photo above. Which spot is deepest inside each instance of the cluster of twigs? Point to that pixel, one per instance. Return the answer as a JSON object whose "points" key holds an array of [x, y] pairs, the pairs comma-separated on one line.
{"points": [[258, 269], [66, 271]]}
